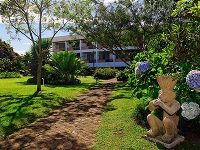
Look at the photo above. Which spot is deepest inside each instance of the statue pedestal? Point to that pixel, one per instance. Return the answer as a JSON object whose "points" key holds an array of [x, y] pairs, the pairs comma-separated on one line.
{"points": [[175, 141]]}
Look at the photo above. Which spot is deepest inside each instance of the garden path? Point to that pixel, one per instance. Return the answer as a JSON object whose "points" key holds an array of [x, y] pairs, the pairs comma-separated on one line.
{"points": [[72, 126]]}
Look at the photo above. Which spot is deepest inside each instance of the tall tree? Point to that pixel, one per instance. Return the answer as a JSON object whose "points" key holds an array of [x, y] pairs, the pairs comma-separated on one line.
{"points": [[108, 25], [32, 18], [185, 33], [120, 24]]}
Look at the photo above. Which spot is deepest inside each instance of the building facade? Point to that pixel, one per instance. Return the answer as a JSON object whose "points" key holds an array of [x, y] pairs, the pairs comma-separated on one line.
{"points": [[93, 55]]}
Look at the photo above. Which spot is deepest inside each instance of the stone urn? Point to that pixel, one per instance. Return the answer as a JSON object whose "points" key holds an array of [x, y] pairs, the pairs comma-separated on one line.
{"points": [[163, 129]]}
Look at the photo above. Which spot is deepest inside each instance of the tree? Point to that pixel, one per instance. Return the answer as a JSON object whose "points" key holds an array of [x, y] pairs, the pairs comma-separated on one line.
{"points": [[184, 31], [108, 26], [123, 23], [32, 18], [9, 60], [6, 51], [45, 44], [26, 60]]}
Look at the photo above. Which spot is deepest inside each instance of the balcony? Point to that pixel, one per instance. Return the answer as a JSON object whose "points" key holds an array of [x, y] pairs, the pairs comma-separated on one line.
{"points": [[107, 64]]}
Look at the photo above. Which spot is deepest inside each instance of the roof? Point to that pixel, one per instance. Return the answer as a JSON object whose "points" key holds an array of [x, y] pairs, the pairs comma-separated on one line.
{"points": [[67, 38]]}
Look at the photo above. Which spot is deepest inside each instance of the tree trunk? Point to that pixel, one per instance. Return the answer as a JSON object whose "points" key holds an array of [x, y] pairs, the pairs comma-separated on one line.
{"points": [[39, 73]]}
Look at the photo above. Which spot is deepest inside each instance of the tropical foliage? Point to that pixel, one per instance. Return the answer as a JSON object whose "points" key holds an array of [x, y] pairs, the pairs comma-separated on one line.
{"points": [[64, 68]]}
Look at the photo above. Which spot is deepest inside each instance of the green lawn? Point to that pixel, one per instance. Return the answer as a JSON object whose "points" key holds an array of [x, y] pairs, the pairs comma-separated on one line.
{"points": [[119, 131], [19, 105]]}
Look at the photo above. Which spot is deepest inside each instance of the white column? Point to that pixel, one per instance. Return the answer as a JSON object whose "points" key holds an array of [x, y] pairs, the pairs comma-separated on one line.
{"points": [[114, 57], [97, 56], [66, 46], [97, 53], [80, 48], [96, 45]]}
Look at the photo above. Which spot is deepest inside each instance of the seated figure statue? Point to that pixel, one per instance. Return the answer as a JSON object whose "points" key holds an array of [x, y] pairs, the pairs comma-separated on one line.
{"points": [[167, 126]]}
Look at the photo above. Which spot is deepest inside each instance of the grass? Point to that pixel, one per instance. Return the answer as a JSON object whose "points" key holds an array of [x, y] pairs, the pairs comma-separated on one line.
{"points": [[19, 106], [119, 131]]}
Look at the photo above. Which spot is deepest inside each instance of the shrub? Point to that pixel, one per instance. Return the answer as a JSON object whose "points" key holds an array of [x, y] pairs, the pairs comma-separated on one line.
{"points": [[31, 81], [105, 73], [122, 76], [63, 69], [145, 83], [6, 64], [10, 75], [141, 112], [88, 71]]}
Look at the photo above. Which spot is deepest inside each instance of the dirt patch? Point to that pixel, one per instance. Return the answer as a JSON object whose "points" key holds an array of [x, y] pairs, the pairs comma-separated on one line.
{"points": [[71, 127]]}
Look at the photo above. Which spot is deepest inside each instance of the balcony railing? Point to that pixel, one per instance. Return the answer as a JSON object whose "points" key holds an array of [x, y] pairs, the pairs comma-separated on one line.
{"points": [[107, 64]]}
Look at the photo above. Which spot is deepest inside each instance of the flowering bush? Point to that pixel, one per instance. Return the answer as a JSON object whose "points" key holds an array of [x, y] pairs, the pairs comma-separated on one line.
{"points": [[193, 79], [142, 67], [190, 110], [164, 61], [144, 84], [105, 73]]}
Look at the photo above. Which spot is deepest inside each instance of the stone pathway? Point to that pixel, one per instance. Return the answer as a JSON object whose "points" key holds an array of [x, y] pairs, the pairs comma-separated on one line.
{"points": [[71, 127]]}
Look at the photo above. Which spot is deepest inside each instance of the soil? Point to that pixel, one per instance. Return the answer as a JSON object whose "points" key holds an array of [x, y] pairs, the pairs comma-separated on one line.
{"points": [[71, 127]]}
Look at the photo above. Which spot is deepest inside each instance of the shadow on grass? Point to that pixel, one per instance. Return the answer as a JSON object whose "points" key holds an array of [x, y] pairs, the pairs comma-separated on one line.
{"points": [[25, 83], [17, 111], [123, 94], [109, 107], [81, 85]]}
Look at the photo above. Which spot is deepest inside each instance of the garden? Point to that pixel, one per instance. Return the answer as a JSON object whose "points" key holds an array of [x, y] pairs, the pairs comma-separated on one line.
{"points": [[53, 100]]}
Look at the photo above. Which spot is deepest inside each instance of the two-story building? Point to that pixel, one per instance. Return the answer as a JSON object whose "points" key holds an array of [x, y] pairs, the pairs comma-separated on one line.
{"points": [[93, 54]]}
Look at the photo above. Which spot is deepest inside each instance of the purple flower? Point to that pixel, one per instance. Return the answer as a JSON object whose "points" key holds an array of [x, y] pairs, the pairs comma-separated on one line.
{"points": [[142, 67], [193, 79]]}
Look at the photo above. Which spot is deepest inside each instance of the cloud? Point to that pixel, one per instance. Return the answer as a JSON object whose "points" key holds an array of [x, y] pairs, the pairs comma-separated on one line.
{"points": [[21, 52], [27, 43], [109, 1]]}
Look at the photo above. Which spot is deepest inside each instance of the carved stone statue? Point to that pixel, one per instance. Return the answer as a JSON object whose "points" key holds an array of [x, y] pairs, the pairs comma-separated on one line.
{"points": [[166, 127]]}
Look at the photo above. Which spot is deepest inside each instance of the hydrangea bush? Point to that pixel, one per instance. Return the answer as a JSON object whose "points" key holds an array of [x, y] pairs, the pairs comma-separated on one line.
{"points": [[142, 73], [193, 79], [142, 67]]}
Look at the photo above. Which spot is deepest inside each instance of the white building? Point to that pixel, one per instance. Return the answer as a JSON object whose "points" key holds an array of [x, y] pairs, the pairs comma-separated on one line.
{"points": [[94, 56]]}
